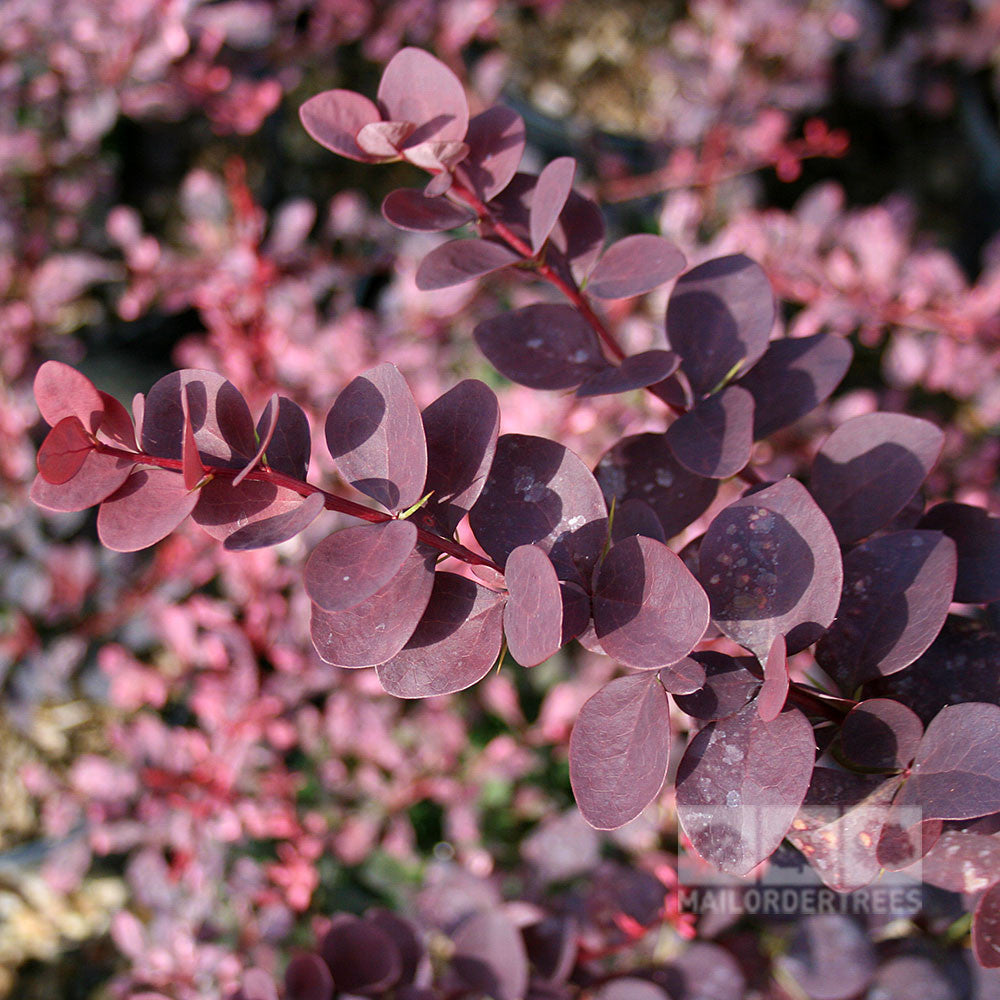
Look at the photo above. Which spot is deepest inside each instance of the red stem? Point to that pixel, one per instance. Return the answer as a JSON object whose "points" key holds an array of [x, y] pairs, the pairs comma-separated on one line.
{"points": [[330, 500]]}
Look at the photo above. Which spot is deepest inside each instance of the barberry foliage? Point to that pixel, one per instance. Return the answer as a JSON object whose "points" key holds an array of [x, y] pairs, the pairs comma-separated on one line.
{"points": [[483, 542]]}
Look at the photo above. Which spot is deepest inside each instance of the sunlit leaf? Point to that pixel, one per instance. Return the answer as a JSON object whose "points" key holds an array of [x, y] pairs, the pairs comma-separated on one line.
{"points": [[634, 265], [148, 506]]}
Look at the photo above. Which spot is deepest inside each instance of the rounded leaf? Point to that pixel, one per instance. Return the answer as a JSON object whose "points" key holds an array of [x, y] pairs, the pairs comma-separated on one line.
{"points": [[986, 928], [881, 734], [416, 87], [634, 265], [96, 479], [149, 505], [619, 749], [308, 977], [977, 540], [551, 191], [64, 451], [413, 211], [360, 955], [714, 437], [459, 261], [334, 117], [830, 957], [649, 611], [728, 686], [868, 469], [637, 371], [719, 318], [496, 143], [62, 391], [490, 956], [532, 618]]}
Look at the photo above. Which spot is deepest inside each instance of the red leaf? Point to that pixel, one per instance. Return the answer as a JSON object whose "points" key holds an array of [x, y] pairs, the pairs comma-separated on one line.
{"points": [[61, 391], [64, 451], [150, 504], [335, 117]]}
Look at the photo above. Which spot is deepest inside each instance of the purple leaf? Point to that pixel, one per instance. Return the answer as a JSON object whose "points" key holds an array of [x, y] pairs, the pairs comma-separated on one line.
{"points": [[830, 957], [350, 565], [900, 843], [675, 391], [771, 566], [578, 236], [383, 140], [96, 479], [703, 972], [908, 976], [881, 735], [634, 517], [977, 538], [741, 782], [375, 435], [642, 467], [552, 942], [375, 630], [192, 469], [960, 665], [956, 771], [266, 427], [361, 956], [416, 87], [961, 862], [254, 514], [868, 469], [986, 928], [630, 988], [837, 828], [685, 676], [542, 346], [532, 619], [728, 687], [281, 523], [634, 265], [291, 442], [636, 372], [64, 451], [551, 191], [147, 507], [793, 377], [116, 424], [496, 144], [62, 391], [308, 978], [223, 428], [455, 644], [618, 750], [540, 493], [897, 589], [719, 316], [414, 211], [335, 117], [490, 956], [714, 438], [404, 935], [461, 429], [458, 261], [649, 611], [774, 690]]}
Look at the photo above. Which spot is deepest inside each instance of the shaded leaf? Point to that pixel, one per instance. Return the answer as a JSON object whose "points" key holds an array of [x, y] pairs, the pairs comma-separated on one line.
{"points": [[412, 210], [266, 426], [416, 87], [774, 691], [542, 346], [720, 315], [642, 467], [771, 566], [649, 610], [618, 750], [956, 770], [636, 372], [376, 629], [291, 441], [360, 955], [880, 734], [192, 469], [116, 424], [334, 117], [404, 935], [577, 237], [830, 957], [532, 618], [540, 493], [496, 143], [458, 261], [634, 517], [350, 565], [149, 505], [986, 928], [685, 676], [490, 956], [977, 540], [714, 437], [383, 140], [552, 943], [897, 589], [455, 644], [728, 687], [461, 428], [961, 862], [308, 977], [741, 782], [868, 469], [281, 520], [64, 450], [630, 988], [97, 478], [909, 976], [703, 972], [62, 391], [551, 191], [223, 427], [376, 437], [793, 377], [634, 265]]}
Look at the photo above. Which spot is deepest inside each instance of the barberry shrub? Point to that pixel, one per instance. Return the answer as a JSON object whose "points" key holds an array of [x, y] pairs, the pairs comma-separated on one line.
{"points": [[847, 564]]}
